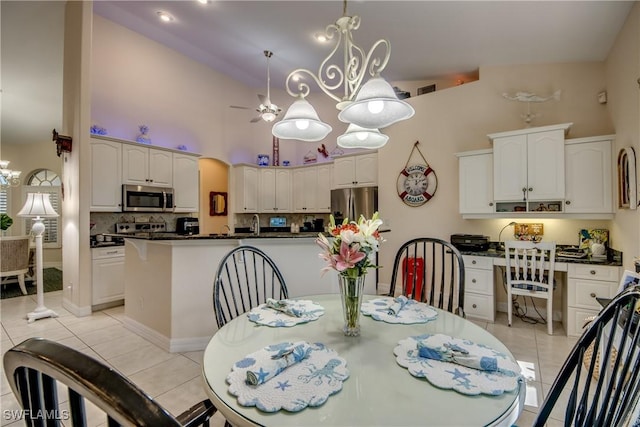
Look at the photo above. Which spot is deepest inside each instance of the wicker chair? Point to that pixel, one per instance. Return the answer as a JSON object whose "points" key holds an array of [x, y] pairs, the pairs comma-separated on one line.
{"points": [[14, 258]]}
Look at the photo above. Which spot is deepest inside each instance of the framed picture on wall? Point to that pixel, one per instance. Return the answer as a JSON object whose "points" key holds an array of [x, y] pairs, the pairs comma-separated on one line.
{"points": [[217, 203]]}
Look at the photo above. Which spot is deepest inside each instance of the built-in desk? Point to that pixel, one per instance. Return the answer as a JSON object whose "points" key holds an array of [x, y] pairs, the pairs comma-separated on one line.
{"points": [[579, 283]]}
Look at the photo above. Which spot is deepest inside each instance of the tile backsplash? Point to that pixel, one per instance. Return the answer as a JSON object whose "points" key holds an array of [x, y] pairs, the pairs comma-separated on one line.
{"points": [[105, 222]]}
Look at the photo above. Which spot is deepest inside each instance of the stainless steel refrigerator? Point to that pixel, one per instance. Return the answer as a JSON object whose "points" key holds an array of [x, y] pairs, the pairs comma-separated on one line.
{"points": [[353, 202]]}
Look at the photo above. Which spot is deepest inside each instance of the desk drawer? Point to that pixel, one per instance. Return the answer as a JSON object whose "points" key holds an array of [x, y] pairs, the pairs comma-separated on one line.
{"points": [[479, 306], [592, 272], [481, 262], [480, 281], [583, 293], [576, 319]]}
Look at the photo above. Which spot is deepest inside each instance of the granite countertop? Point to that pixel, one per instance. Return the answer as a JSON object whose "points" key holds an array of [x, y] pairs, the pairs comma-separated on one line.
{"points": [[613, 258], [234, 236]]}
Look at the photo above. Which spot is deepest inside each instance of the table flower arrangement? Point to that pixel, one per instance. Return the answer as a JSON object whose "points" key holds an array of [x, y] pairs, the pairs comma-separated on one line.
{"points": [[348, 253]]}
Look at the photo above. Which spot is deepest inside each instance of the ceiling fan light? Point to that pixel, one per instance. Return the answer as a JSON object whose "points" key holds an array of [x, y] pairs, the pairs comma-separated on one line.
{"points": [[268, 116], [376, 106], [359, 137], [301, 122]]}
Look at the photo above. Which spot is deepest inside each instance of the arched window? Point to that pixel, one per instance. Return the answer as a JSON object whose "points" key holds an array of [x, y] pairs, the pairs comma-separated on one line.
{"points": [[46, 181]]}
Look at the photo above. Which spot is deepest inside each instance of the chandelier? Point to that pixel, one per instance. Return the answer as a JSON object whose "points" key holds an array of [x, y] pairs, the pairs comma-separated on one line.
{"points": [[8, 177], [365, 107]]}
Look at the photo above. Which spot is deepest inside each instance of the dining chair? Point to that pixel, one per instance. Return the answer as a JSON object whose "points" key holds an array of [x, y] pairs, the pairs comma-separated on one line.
{"points": [[55, 384], [14, 259], [432, 271], [529, 271], [245, 278], [612, 397]]}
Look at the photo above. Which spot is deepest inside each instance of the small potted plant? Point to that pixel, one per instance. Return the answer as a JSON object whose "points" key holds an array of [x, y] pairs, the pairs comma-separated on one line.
{"points": [[5, 221]]}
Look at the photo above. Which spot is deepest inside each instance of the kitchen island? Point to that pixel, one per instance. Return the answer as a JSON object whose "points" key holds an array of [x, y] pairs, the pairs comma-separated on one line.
{"points": [[169, 281]]}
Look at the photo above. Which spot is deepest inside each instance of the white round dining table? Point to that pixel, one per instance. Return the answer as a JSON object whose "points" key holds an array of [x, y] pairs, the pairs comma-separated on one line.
{"points": [[378, 392]]}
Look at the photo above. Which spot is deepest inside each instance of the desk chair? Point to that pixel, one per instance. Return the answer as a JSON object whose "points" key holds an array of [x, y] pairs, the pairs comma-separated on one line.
{"points": [[14, 259], [432, 271], [245, 278], [41, 372], [611, 398], [530, 268]]}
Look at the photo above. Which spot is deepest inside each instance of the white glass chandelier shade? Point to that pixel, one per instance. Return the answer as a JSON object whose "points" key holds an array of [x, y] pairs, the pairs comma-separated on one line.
{"points": [[376, 106], [8, 177], [37, 206], [359, 137], [301, 122]]}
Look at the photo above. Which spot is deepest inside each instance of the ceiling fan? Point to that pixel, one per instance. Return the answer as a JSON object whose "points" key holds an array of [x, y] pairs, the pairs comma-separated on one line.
{"points": [[266, 110]]}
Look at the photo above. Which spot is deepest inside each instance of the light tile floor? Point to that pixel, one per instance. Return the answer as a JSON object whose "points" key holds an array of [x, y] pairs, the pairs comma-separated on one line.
{"points": [[174, 379]]}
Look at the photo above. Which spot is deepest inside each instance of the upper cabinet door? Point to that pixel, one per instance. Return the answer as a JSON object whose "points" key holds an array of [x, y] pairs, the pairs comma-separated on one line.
{"points": [[367, 170], [186, 183], [545, 165], [588, 177], [344, 172], [510, 168], [355, 171], [106, 167], [160, 168], [476, 184], [135, 165], [246, 183], [283, 190]]}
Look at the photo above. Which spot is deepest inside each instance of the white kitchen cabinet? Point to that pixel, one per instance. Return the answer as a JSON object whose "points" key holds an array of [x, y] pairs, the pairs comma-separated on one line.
{"points": [[312, 189], [146, 166], [185, 179], [585, 283], [355, 171], [479, 300], [106, 172], [588, 175], [275, 190], [529, 165], [246, 183], [107, 275], [476, 182]]}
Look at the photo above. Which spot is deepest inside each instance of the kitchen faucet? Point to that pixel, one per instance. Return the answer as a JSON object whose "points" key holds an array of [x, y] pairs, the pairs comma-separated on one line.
{"points": [[227, 228], [255, 224]]}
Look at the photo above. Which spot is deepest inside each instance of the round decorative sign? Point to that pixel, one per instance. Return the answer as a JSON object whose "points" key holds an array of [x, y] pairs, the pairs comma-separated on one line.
{"points": [[417, 184]]}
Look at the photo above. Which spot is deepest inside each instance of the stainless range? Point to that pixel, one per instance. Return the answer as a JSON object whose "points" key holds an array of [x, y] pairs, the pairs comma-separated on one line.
{"points": [[124, 228]]}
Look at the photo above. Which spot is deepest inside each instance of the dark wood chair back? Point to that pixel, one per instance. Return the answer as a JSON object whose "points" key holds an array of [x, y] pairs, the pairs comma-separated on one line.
{"points": [[245, 278], [40, 371], [603, 391], [430, 270]]}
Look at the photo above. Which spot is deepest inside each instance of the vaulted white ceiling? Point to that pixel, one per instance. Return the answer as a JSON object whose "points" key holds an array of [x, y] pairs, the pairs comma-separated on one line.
{"points": [[429, 39]]}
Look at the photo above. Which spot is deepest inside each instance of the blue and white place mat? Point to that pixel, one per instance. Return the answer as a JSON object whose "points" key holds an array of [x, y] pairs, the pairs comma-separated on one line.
{"points": [[398, 310], [306, 311], [309, 381], [450, 375]]}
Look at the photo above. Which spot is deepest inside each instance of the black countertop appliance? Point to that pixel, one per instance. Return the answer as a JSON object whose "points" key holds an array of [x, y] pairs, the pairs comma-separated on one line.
{"points": [[187, 226], [470, 242]]}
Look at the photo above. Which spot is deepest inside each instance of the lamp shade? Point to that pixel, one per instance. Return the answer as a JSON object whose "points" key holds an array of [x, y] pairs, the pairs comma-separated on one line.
{"points": [[376, 106], [301, 122], [359, 137], [37, 205]]}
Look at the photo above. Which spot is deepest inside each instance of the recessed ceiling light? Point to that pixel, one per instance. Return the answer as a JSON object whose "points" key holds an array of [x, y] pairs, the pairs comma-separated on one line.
{"points": [[203, 1], [164, 16]]}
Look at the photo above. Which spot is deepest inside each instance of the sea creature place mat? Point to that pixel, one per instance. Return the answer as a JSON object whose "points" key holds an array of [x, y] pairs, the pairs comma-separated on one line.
{"points": [[450, 375], [412, 312], [264, 315], [308, 382]]}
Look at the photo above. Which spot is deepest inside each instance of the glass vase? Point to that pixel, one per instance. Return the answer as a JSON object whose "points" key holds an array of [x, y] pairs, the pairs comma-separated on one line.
{"points": [[351, 289]]}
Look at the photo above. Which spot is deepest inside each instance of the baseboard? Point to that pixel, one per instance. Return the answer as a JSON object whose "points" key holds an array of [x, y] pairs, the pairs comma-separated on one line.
{"points": [[175, 345], [76, 310], [557, 315]]}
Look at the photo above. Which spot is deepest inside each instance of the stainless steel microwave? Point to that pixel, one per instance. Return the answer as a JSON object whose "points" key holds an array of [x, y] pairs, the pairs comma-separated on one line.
{"points": [[140, 198]]}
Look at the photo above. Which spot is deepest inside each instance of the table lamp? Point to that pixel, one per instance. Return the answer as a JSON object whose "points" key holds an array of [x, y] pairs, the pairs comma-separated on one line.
{"points": [[38, 207], [500, 244]]}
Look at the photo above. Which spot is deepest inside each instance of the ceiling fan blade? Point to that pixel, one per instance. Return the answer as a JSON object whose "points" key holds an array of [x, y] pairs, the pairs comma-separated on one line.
{"points": [[255, 119], [264, 100], [239, 107]]}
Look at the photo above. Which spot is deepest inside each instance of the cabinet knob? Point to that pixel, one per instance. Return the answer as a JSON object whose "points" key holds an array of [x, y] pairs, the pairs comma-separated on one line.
{"points": [[530, 189], [592, 294], [473, 262], [474, 306], [568, 202], [473, 280], [490, 203], [593, 272]]}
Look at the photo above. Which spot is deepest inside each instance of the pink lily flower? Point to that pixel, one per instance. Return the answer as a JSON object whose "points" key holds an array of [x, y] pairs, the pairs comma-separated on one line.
{"points": [[349, 256]]}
